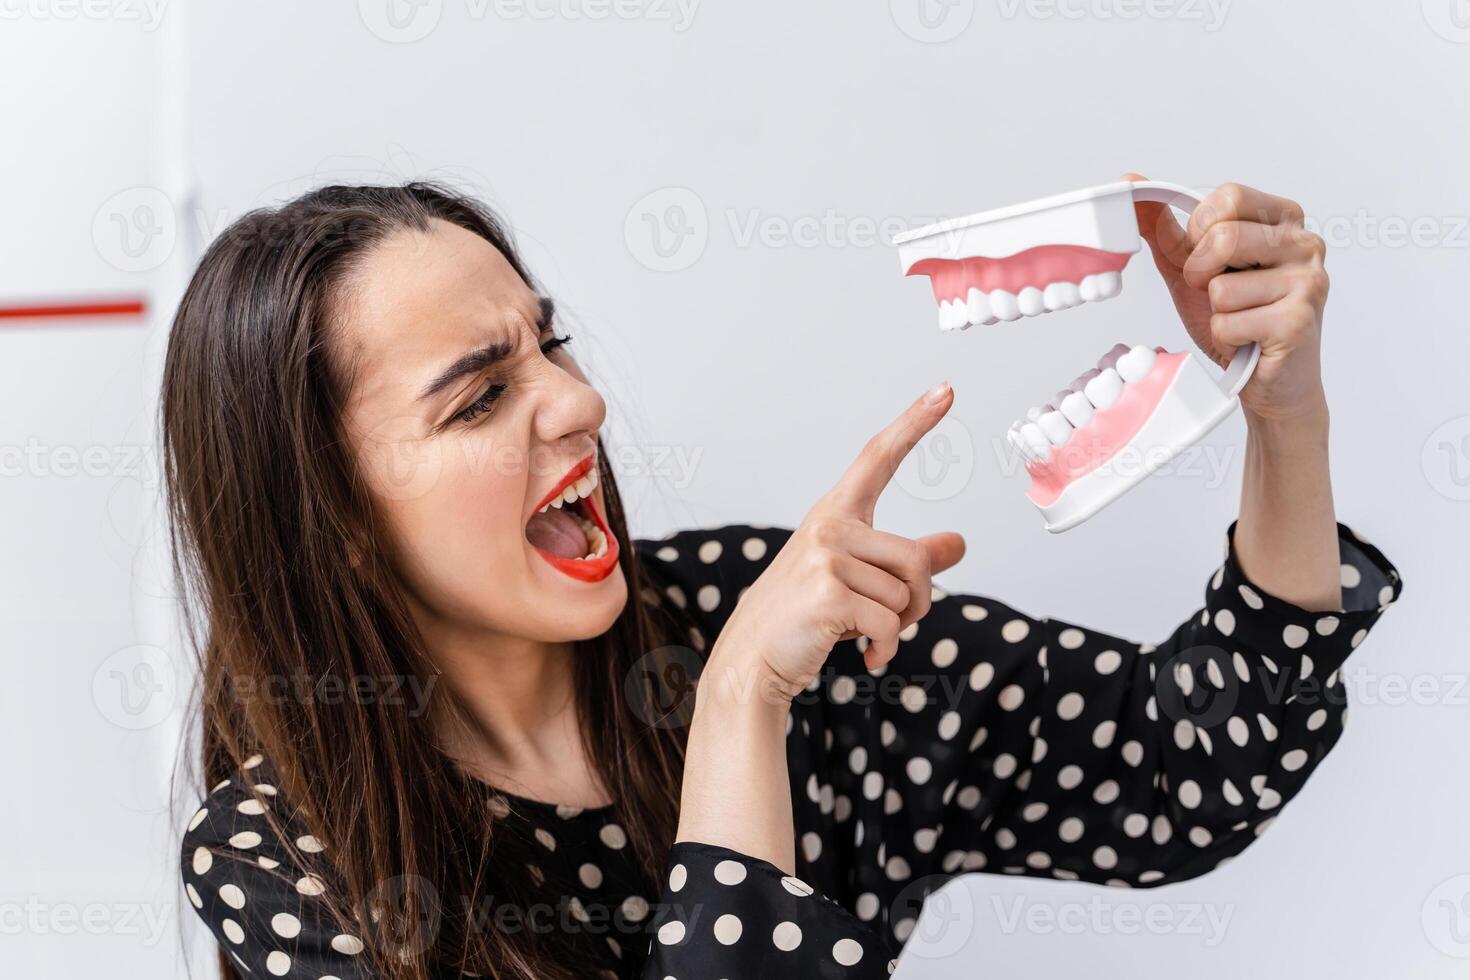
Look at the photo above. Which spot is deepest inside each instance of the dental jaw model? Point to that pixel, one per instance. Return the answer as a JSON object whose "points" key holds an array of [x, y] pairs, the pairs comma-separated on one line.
{"points": [[1112, 426]]}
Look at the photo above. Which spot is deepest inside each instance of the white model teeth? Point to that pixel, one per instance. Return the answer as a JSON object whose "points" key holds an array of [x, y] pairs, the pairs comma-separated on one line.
{"points": [[1055, 427], [1050, 426], [1077, 409], [981, 308], [1105, 389], [1137, 363]]}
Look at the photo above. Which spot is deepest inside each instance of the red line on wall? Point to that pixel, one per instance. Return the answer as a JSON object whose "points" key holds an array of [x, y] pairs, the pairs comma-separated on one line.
{"points": [[130, 307]]}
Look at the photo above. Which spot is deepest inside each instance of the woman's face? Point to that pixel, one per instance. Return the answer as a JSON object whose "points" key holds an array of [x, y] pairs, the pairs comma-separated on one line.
{"points": [[468, 419]]}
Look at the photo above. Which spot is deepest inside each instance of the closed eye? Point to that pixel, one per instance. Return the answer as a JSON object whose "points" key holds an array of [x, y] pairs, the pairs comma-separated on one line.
{"points": [[486, 400]]}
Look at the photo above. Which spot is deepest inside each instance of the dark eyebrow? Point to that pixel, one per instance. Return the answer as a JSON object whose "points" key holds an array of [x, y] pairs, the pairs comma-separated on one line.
{"points": [[478, 360]]}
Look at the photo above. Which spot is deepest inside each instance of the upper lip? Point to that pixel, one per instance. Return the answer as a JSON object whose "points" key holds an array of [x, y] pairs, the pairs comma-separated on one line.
{"points": [[571, 476]]}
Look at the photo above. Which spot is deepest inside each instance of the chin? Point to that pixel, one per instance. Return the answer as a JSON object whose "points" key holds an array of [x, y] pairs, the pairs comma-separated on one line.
{"points": [[582, 610]]}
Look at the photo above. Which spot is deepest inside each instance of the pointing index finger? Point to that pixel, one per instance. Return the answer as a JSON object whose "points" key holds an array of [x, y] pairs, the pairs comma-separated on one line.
{"points": [[856, 494]]}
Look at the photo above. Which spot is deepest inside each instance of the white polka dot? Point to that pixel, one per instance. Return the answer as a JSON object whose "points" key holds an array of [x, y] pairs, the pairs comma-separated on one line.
{"points": [[974, 613], [787, 935], [897, 869], [925, 839], [1132, 753], [811, 845], [678, 874], [1069, 777], [1316, 720], [203, 860], [1238, 730], [1011, 697], [909, 632], [1103, 734], [252, 808], [1349, 576], [1005, 839], [253, 761], [1385, 595], [1327, 625], [1189, 794], [847, 952], [310, 886], [613, 836], [267, 863], [708, 598], [710, 552], [232, 931], [981, 675], [1071, 830], [635, 907], [728, 929], [968, 798], [796, 886], [309, 844], [278, 963], [1231, 794], [1106, 792], [671, 933], [198, 818], [1269, 799], [949, 725], [1071, 638], [1015, 631], [944, 652], [194, 898], [1199, 837], [232, 896], [1184, 734], [843, 688], [913, 698], [677, 597], [754, 549], [1295, 636], [1135, 825], [1033, 812], [285, 925], [729, 872], [1107, 661], [1268, 729], [1294, 760], [1005, 765], [1225, 621], [1105, 857], [1250, 597], [590, 875], [1070, 706], [1163, 830], [919, 769]]}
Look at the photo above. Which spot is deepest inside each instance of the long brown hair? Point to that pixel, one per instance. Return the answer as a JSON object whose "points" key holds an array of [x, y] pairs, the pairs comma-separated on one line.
{"points": [[284, 578]]}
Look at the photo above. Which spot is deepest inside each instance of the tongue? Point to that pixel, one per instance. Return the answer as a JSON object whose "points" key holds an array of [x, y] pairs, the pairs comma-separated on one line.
{"points": [[557, 532]]}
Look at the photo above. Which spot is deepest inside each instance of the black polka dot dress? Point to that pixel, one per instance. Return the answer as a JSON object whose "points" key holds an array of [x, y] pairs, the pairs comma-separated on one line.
{"points": [[994, 741]]}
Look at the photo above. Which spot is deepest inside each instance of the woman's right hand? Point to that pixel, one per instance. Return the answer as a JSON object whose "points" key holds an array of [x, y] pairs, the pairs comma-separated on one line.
{"points": [[837, 576]]}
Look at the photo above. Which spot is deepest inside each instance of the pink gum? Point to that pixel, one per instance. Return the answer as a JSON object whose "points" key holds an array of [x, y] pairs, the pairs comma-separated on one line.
{"points": [[1105, 433], [1039, 267]]}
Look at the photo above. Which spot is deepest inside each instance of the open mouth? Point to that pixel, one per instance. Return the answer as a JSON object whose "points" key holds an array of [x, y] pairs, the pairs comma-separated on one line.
{"points": [[569, 532]]}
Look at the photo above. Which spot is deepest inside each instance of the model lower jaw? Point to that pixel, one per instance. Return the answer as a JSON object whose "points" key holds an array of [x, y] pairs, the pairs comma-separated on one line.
{"points": [[602, 549]]}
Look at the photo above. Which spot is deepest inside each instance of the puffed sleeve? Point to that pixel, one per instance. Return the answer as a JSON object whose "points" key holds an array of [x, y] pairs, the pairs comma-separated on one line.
{"points": [[1002, 742], [265, 910]]}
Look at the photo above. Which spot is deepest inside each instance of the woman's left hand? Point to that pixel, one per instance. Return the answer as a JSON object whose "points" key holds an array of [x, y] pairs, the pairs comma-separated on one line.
{"points": [[1246, 269]]}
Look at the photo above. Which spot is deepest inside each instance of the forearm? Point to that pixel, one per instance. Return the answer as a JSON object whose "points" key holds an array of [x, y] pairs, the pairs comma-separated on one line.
{"points": [[737, 791], [1286, 541]]}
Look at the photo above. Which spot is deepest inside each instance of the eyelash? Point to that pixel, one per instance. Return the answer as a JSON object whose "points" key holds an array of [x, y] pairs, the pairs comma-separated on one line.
{"points": [[487, 399]]}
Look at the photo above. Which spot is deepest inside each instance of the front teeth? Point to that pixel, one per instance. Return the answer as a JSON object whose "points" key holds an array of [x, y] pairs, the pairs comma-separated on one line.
{"points": [[983, 308], [575, 490], [1046, 427]]}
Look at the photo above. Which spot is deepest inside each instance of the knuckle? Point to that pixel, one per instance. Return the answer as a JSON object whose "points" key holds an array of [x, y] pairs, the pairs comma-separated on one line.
{"points": [[825, 532], [1293, 213], [1232, 197], [1219, 291]]}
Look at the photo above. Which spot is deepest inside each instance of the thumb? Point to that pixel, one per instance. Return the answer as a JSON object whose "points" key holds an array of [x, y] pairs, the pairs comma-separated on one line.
{"points": [[1161, 230], [945, 550]]}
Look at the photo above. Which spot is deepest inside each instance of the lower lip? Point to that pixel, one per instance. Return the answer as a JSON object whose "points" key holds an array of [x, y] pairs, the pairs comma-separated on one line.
{"points": [[587, 569]]}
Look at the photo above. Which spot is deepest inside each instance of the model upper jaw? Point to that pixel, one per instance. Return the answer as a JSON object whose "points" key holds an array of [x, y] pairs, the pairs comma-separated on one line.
{"points": [[981, 291]]}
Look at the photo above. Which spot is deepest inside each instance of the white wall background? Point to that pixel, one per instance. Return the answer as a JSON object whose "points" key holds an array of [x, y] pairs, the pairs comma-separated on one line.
{"points": [[752, 345]]}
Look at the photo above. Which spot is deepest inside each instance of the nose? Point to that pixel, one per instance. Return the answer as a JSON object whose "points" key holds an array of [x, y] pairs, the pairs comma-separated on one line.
{"points": [[569, 411]]}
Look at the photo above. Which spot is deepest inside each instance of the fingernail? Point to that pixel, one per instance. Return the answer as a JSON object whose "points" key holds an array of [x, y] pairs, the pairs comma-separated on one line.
{"points": [[936, 394]]}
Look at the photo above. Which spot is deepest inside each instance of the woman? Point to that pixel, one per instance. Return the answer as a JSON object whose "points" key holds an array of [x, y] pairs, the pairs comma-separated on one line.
{"points": [[425, 634]]}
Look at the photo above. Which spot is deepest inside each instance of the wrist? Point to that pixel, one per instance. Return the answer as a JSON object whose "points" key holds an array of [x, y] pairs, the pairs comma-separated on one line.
{"points": [[736, 687], [1305, 428]]}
